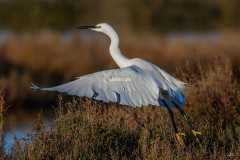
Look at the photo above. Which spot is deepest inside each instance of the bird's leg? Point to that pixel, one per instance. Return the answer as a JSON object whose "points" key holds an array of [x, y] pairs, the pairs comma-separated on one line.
{"points": [[179, 135], [185, 116], [188, 120]]}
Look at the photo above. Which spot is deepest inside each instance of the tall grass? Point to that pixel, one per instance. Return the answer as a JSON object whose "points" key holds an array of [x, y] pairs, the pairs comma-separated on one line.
{"points": [[87, 129]]}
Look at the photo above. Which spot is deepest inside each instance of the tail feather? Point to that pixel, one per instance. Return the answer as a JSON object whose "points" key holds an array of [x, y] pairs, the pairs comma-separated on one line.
{"points": [[35, 87]]}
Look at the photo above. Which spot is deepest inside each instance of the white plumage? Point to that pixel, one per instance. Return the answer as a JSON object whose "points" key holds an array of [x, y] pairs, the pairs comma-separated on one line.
{"points": [[136, 83]]}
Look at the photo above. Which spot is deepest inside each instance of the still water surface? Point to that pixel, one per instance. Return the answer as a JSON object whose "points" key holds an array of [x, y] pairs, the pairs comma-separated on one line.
{"points": [[19, 125]]}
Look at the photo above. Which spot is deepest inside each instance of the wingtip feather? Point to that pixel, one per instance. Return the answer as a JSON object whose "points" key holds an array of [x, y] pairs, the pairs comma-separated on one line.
{"points": [[34, 87]]}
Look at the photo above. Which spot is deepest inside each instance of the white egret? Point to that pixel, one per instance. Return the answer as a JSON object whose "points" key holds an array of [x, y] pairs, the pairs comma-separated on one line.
{"points": [[136, 83]]}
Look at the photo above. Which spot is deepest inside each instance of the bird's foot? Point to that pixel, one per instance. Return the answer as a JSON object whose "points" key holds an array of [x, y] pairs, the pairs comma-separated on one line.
{"points": [[196, 136], [180, 136], [196, 133]]}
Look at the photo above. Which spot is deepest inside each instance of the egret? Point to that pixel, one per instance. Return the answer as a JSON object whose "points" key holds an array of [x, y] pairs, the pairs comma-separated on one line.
{"points": [[136, 83]]}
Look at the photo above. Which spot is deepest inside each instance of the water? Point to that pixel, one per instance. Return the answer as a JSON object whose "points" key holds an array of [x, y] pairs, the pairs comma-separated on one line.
{"points": [[14, 134], [19, 125]]}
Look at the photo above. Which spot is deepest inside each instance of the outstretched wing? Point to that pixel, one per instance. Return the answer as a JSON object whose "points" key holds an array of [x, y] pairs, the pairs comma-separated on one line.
{"points": [[127, 86], [171, 90]]}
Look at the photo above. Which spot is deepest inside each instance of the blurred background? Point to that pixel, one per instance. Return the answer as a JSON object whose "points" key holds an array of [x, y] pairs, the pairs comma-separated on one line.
{"points": [[135, 15], [39, 43]]}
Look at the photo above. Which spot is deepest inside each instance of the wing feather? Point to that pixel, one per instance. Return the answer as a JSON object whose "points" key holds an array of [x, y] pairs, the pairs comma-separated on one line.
{"points": [[171, 89], [134, 88]]}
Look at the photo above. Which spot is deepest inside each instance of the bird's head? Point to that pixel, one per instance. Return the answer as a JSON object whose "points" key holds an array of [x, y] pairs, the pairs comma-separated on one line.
{"points": [[101, 27]]}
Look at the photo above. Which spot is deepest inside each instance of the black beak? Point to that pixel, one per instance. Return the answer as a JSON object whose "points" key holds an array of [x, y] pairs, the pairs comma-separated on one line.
{"points": [[87, 27]]}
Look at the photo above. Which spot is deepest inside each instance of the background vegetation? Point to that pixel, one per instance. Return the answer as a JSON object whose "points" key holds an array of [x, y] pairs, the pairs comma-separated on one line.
{"points": [[158, 15]]}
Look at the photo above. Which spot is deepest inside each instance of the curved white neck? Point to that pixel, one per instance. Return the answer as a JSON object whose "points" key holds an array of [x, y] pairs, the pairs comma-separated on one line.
{"points": [[115, 52]]}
